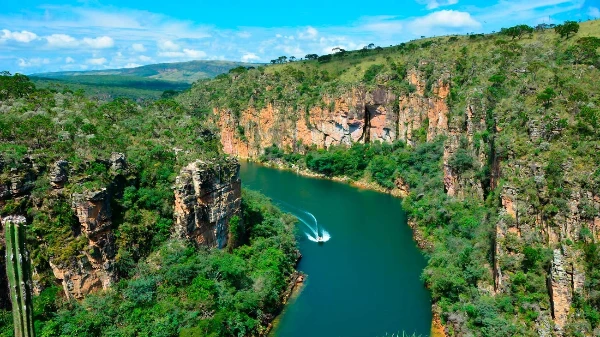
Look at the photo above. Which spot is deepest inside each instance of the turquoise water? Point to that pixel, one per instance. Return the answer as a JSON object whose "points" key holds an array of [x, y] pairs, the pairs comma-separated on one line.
{"points": [[365, 280]]}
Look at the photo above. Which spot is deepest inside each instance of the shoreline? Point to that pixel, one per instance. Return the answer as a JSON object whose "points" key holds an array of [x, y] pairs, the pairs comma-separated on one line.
{"points": [[294, 286], [437, 327]]}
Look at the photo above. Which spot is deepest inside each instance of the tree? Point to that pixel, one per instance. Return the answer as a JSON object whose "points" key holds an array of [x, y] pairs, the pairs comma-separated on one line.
{"points": [[370, 46], [311, 56], [567, 28], [292, 58], [546, 97], [517, 31], [585, 51]]}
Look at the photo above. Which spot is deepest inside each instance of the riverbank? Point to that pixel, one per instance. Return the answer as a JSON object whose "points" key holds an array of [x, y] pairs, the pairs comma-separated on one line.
{"points": [[295, 283]]}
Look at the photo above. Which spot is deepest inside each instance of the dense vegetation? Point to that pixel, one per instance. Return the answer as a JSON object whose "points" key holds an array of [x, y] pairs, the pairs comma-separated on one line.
{"points": [[167, 287], [186, 291], [111, 86], [535, 132]]}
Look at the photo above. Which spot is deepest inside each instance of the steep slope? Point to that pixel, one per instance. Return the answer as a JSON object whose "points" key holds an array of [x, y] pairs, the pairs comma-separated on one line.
{"points": [[496, 137]]}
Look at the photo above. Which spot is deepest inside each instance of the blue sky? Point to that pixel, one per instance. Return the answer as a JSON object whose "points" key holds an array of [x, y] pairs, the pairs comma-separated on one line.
{"points": [[47, 35]]}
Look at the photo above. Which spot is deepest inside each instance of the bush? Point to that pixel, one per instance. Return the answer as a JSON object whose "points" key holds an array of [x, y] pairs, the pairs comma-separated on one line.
{"points": [[461, 161]]}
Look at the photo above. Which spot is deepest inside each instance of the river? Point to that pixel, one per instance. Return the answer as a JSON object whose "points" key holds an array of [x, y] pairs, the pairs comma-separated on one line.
{"points": [[364, 281]]}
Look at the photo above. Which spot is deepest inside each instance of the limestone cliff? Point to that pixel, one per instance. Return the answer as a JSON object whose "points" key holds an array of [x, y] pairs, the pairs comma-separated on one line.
{"points": [[356, 115], [207, 196]]}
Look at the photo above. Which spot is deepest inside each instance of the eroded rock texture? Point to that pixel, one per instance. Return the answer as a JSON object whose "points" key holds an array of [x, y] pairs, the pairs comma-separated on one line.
{"points": [[207, 196], [357, 115], [93, 268]]}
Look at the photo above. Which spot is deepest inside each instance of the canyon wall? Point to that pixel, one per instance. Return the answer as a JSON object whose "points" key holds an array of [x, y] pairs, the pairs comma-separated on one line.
{"points": [[382, 114], [358, 115]]}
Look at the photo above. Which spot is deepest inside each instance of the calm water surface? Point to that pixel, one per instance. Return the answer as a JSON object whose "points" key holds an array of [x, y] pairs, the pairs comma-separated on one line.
{"points": [[364, 281]]}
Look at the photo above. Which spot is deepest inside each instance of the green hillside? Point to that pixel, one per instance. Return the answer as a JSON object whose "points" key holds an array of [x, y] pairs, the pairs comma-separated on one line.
{"points": [[111, 86], [188, 72], [145, 82]]}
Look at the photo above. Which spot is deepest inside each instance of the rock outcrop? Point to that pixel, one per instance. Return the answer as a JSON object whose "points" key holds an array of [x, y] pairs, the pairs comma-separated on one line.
{"points": [[565, 280], [207, 196], [59, 174], [19, 181], [93, 268]]}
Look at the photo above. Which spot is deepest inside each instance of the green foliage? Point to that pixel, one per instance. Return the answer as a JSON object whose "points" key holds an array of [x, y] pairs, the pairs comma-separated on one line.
{"points": [[567, 28], [16, 86], [546, 96], [461, 161], [372, 72], [183, 290], [517, 31]]}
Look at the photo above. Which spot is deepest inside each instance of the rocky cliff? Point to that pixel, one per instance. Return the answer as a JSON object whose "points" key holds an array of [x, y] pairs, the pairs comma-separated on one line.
{"points": [[499, 148], [207, 197], [92, 268], [355, 115]]}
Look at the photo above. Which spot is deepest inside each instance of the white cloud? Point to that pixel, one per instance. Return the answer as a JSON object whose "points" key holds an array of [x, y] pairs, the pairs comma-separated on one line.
{"points": [[69, 59], [22, 36], [433, 4], [186, 53], [132, 65], [99, 42], [194, 53], [309, 34], [444, 19], [96, 61], [33, 62], [61, 40], [144, 58], [168, 45], [249, 57], [594, 12], [138, 47]]}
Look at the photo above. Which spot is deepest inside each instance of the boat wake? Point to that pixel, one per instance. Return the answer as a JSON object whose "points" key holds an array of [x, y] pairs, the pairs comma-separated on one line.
{"points": [[314, 233]]}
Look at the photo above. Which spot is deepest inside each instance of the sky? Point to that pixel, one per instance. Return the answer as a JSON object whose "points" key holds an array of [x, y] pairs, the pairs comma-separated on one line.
{"points": [[48, 35]]}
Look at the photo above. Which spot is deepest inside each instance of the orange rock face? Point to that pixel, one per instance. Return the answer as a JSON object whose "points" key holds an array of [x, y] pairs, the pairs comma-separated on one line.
{"points": [[358, 115], [207, 196], [93, 269]]}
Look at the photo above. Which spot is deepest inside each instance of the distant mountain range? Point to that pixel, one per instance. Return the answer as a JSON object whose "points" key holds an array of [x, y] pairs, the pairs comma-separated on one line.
{"points": [[188, 72], [147, 81]]}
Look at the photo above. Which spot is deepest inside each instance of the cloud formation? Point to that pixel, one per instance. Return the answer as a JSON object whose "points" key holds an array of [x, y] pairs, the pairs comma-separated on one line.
{"points": [[22, 36], [61, 41], [99, 42], [73, 38], [433, 4]]}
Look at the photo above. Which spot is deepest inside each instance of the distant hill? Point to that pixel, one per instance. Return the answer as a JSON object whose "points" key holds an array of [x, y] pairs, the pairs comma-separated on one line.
{"points": [[145, 82], [187, 72], [111, 86]]}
